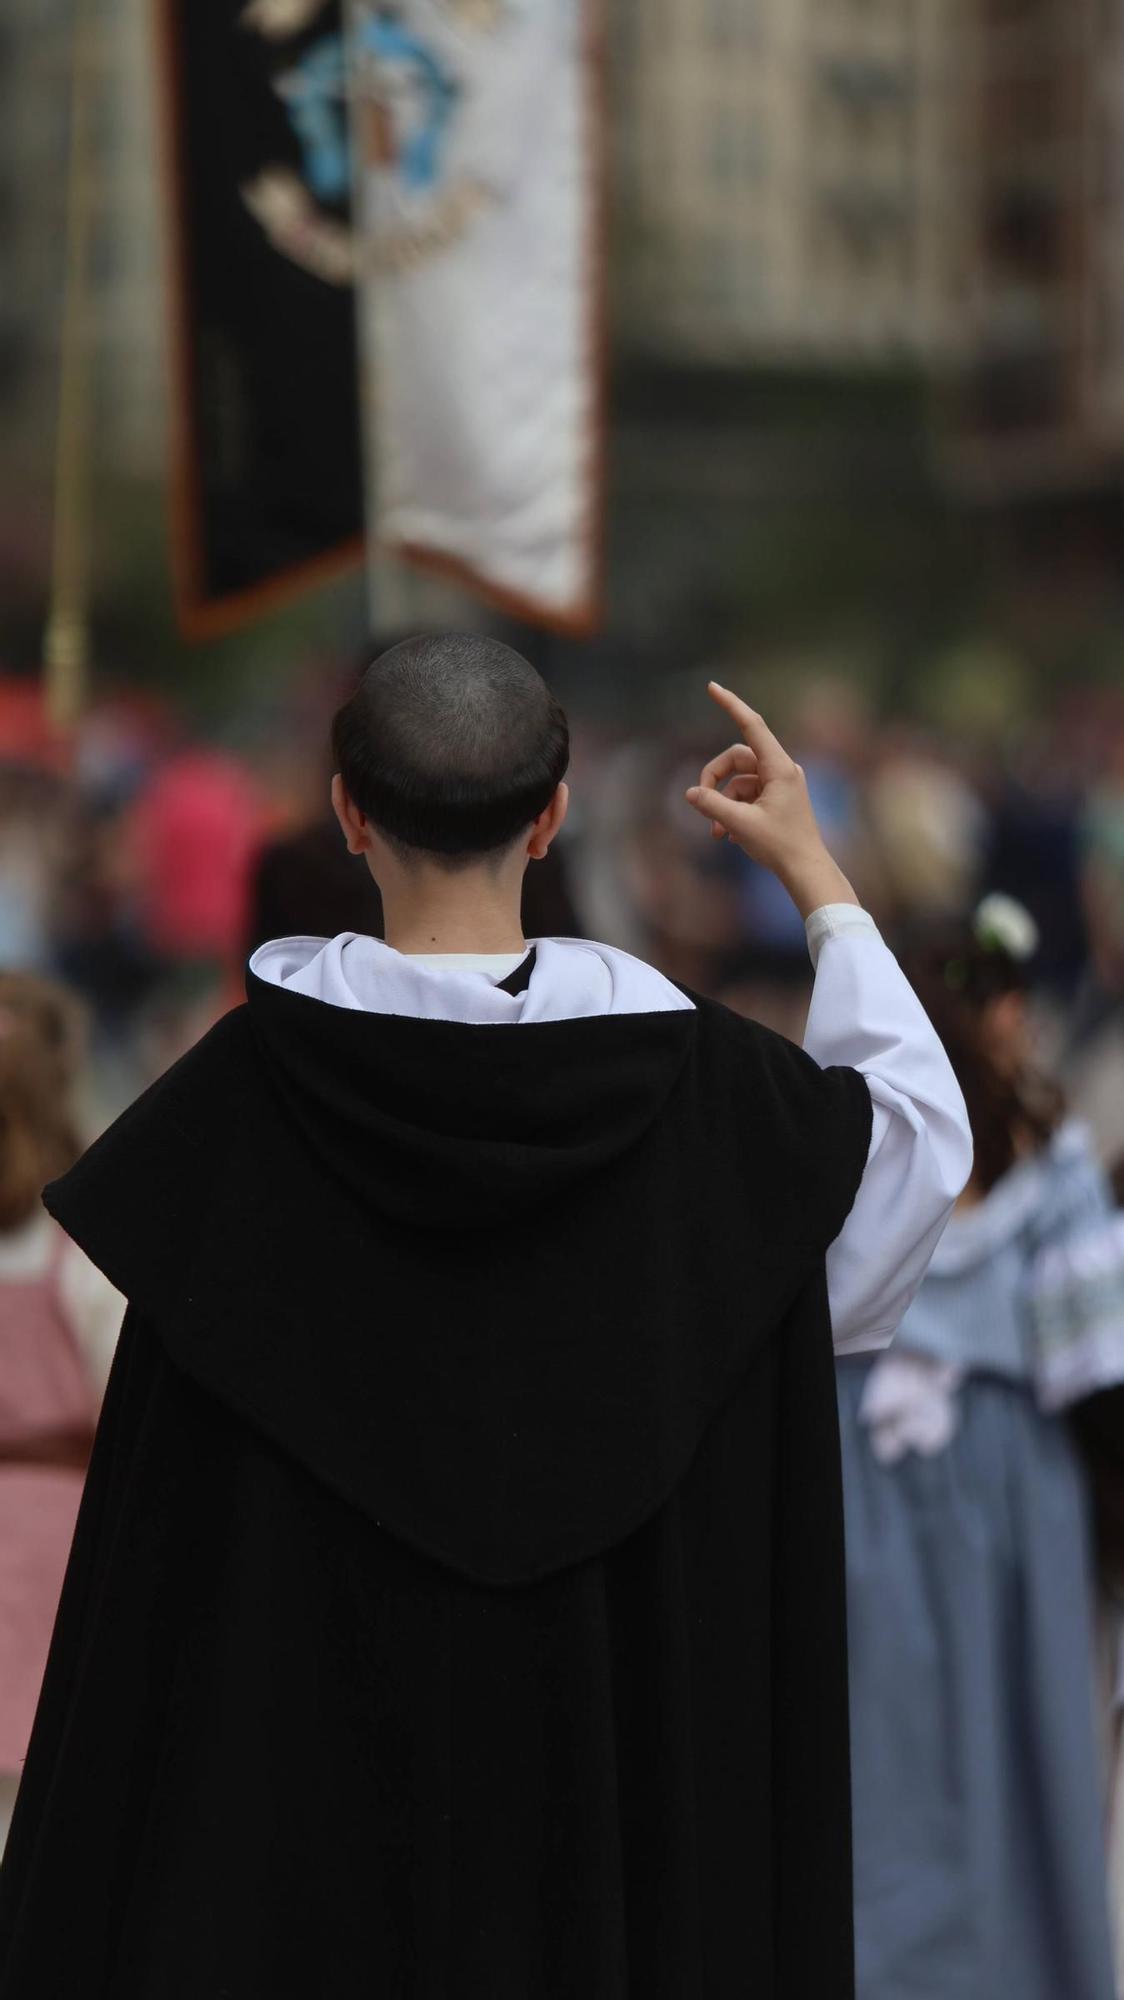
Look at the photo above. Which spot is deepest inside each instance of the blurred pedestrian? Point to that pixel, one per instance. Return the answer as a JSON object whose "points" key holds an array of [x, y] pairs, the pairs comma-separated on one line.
{"points": [[58, 1324], [926, 823], [1102, 875], [979, 1850], [194, 834]]}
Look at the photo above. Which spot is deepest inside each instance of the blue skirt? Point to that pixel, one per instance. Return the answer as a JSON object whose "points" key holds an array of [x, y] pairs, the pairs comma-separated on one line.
{"points": [[979, 1844]]}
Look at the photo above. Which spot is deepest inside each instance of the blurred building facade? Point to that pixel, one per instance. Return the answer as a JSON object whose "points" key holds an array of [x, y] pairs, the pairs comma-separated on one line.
{"points": [[124, 277], [34, 78], [838, 184], [1044, 235], [789, 178]]}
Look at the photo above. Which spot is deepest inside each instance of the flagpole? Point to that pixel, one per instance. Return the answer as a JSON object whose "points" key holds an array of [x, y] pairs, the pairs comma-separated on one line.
{"points": [[66, 643]]}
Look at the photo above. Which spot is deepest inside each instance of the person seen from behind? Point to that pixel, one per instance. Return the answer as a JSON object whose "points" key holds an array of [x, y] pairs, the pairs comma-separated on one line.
{"points": [[59, 1320], [457, 1599], [978, 1784]]}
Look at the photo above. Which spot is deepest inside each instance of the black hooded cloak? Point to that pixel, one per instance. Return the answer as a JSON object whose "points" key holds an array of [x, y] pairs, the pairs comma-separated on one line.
{"points": [[456, 1606]]}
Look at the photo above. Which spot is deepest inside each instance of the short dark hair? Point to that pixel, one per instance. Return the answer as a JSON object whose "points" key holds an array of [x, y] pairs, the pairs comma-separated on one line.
{"points": [[451, 745]]}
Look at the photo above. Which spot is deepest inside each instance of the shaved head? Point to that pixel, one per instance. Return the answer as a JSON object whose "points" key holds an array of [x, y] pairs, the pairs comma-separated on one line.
{"points": [[451, 746]]}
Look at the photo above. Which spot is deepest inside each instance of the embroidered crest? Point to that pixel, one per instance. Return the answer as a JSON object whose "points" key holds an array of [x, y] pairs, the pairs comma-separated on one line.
{"points": [[413, 90], [409, 80], [295, 208]]}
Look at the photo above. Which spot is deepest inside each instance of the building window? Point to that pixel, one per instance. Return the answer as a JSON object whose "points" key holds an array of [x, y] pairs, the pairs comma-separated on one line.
{"points": [[735, 150], [728, 278], [733, 23]]}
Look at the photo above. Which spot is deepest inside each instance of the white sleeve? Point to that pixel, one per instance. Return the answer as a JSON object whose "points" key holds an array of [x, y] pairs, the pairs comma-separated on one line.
{"points": [[865, 1014]]}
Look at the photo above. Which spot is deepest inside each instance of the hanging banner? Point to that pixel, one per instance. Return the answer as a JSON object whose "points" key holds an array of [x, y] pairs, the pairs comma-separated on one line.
{"points": [[477, 150], [267, 473]]}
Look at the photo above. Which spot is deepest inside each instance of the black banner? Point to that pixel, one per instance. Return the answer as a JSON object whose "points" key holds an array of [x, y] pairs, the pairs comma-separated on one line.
{"points": [[267, 482]]}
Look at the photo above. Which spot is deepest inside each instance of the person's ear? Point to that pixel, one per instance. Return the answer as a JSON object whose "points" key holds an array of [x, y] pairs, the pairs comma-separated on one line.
{"points": [[548, 824], [353, 823]]}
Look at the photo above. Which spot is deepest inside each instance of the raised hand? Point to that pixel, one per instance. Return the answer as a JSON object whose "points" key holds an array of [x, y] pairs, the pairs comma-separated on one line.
{"points": [[756, 795]]}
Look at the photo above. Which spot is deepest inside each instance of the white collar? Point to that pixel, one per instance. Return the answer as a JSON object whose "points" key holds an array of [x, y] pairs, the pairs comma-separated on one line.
{"points": [[496, 964], [572, 978]]}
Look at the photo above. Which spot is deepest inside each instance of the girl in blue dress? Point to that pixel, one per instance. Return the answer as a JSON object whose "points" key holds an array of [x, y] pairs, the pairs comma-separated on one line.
{"points": [[978, 1794]]}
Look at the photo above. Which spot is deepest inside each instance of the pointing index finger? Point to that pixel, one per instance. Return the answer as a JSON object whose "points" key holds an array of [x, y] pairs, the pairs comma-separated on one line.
{"points": [[771, 755]]}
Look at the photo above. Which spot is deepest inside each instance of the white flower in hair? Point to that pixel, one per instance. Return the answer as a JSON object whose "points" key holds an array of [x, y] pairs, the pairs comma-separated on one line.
{"points": [[1001, 924]]}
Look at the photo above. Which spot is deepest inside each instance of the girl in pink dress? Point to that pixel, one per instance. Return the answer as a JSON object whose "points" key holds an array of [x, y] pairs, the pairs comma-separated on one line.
{"points": [[58, 1322]]}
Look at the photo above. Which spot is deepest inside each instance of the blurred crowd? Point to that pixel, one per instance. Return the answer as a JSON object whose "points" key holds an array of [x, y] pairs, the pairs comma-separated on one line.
{"points": [[143, 864]]}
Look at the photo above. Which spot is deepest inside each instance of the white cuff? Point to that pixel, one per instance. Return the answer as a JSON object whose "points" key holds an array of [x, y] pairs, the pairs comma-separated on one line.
{"points": [[833, 920]]}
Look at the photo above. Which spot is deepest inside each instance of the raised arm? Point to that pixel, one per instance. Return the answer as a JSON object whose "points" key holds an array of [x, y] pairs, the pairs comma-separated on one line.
{"points": [[864, 1014]]}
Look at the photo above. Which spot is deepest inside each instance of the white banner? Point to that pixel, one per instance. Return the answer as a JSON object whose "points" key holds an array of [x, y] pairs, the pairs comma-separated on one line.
{"points": [[474, 126]]}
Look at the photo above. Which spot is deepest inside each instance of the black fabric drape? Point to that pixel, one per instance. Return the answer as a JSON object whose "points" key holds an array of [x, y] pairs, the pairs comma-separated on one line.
{"points": [[351, 1690]]}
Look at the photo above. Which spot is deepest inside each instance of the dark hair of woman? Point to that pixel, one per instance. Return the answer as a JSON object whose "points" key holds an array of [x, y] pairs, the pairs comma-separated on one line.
{"points": [[1013, 1108]]}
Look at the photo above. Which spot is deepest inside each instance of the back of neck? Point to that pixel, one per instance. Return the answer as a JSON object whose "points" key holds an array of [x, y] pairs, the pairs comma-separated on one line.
{"points": [[451, 929]]}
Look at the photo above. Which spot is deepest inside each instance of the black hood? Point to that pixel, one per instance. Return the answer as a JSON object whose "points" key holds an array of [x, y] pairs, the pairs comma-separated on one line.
{"points": [[283, 1207], [435, 1121]]}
